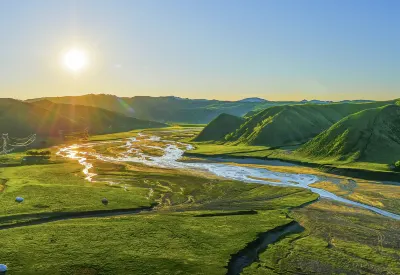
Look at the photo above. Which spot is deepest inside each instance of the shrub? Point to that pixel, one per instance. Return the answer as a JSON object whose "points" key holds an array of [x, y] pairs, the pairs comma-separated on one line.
{"points": [[397, 166]]}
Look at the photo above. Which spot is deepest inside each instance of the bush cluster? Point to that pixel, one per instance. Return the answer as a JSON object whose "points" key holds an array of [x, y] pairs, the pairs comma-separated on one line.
{"points": [[38, 153]]}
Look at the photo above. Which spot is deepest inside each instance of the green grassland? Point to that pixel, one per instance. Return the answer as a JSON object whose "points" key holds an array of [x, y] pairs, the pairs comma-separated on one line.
{"points": [[337, 240], [385, 196], [286, 154], [164, 243], [174, 238], [378, 194], [61, 187]]}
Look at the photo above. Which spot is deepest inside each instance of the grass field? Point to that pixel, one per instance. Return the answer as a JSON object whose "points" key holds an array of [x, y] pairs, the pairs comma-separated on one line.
{"points": [[380, 195], [384, 196], [198, 223], [337, 240], [165, 243], [285, 154]]}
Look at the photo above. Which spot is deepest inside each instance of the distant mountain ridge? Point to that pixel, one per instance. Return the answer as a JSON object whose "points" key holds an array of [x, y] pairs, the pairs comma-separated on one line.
{"points": [[253, 99], [170, 108], [45, 118], [161, 109], [98, 120], [20, 119]]}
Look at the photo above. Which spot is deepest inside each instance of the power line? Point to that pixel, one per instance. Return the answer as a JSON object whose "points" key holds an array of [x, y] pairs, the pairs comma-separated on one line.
{"points": [[10, 143]]}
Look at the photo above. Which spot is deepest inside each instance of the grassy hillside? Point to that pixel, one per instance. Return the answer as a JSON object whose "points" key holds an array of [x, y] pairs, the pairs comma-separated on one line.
{"points": [[220, 127], [293, 124], [96, 119], [20, 119], [372, 136], [45, 119]]}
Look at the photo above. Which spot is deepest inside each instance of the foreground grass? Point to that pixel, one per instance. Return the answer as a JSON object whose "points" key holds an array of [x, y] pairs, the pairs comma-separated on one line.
{"points": [[168, 243], [60, 187], [337, 240], [173, 239]]}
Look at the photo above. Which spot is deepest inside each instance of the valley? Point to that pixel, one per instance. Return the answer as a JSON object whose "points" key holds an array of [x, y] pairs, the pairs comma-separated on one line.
{"points": [[240, 195], [207, 209]]}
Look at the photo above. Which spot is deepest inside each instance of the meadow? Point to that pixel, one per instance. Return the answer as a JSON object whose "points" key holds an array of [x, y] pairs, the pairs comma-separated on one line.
{"points": [[287, 153], [198, 222], [336, 240]]}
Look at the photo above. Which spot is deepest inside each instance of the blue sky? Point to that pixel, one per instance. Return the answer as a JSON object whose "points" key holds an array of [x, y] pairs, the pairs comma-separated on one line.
{"points": [[220, 49]]}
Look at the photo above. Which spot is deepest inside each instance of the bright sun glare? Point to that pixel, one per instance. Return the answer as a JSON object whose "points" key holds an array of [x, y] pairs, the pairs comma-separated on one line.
{"points": [[75, 60]]}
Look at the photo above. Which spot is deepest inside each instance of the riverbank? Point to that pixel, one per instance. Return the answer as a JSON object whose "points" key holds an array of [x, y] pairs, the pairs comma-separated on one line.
{"points": [[367, 172]]}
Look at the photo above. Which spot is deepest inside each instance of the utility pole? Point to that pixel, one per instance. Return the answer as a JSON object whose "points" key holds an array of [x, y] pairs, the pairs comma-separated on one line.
{"points": [[5, 139]]}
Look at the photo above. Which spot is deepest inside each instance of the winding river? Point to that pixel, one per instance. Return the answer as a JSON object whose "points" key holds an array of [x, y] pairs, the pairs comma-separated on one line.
{"points": [[173, 152]]}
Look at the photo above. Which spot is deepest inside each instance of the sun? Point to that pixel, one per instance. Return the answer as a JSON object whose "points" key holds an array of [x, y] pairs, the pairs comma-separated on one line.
{"points": [[75, 60]]}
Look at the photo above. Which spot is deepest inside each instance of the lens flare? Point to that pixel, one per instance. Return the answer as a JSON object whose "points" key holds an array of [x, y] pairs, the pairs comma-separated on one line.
{"points": [[75, 60]]}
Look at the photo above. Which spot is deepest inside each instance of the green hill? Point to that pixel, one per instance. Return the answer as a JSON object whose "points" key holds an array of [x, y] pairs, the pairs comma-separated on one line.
{"points": [[98, 120], [218, 128], [372, 136], [294, 124], [21, 119], [44, 118]]}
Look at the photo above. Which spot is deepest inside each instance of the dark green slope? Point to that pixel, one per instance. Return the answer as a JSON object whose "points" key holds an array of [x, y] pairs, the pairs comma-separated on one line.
{"points": [[217, 129], [96, 119], [372, 136], [170, 108], [107, 102], [21, 119], [294, 124], [162, 109]]}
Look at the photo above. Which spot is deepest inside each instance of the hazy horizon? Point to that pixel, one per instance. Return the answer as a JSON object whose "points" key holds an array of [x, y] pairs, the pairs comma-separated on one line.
{"points": [[200, 98], [225, 50]]}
